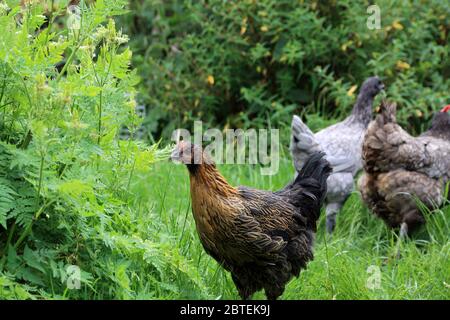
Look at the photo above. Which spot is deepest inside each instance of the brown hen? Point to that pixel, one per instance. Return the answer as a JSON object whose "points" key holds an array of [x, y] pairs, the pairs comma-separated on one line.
{"points": [[263, 238], [401, 169]]}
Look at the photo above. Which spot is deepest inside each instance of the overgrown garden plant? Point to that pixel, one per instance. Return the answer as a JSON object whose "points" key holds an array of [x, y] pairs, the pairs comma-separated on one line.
{"points": [[74, 220]]}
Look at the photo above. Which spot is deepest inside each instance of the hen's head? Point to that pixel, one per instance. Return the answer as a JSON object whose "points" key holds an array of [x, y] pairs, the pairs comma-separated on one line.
{"points": [[371, 87], [189, 154], [446, 109], [441, 120], [440, 125]]}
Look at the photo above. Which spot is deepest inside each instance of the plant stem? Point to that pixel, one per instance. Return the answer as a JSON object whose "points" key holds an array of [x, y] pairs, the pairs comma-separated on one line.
{"points": [[28, 228], [74, 51], [11, 233], [41, 174], [26, 141], [99, 129], [69, 60], [8, 241], [3, 88]]}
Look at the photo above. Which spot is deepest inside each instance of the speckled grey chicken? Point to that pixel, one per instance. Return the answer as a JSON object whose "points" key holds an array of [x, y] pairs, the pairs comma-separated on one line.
{"points": [[341, 143], [263, 238], [401, 169]]}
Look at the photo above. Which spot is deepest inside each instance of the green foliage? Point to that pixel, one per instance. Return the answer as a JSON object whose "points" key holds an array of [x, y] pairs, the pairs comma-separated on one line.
{"points": [[71, 192], [243, 63]]}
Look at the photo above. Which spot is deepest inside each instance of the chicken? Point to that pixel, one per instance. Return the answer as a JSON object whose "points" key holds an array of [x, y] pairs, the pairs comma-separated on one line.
{"points": [[440, 125], [401, 169], [341, 143], [263, 238]]}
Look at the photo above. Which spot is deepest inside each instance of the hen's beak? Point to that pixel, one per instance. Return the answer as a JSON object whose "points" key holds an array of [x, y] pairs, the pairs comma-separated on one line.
{"points": [[381, 87]]}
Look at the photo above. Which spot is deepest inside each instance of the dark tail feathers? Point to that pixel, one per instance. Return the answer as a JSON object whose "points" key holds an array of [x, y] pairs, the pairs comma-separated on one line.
{"points": [[312, 182], [315, 167]]}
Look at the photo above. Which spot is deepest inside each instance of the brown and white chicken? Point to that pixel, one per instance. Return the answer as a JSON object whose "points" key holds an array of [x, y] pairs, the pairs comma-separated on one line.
{"points": [[263, 238], [401, 169]]}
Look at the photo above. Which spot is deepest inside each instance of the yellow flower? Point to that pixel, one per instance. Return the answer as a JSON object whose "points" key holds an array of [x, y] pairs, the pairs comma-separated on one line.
{"points": [[210, 80], [264, 29], [397, 25], [419, 113], [244, 25], [346, 45], [401, 65], [352, 90]]}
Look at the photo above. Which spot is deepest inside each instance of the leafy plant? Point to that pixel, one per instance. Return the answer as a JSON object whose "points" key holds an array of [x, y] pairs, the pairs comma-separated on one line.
{"points": [[73, 213], [238, 63]]}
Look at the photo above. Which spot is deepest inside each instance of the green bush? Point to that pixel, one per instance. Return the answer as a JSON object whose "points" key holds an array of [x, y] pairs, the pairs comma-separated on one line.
{"points": [[250, 63], [72, 193]]}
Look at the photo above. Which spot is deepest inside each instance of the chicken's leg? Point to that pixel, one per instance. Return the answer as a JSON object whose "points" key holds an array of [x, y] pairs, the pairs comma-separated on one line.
{"points": [[403, 230], [402, 235], [274, 291], [331, 210]]}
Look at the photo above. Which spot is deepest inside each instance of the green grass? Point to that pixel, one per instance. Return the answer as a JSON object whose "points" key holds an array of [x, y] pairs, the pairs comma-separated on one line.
{"points": [[340, 267]]}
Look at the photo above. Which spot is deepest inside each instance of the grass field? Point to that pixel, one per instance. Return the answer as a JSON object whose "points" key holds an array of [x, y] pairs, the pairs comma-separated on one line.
{"points": [[343, 265]]}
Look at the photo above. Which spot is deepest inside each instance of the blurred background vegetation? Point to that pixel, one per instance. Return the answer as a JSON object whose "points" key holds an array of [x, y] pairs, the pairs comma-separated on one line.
{"points": [[255, 63]]}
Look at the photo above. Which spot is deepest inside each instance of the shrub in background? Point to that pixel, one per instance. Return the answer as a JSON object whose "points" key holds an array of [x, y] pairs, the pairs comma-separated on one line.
{"points": [[254, 63]]}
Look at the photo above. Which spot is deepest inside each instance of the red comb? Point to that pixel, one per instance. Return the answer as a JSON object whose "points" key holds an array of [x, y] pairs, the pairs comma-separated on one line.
{"points": [[446, 108]]}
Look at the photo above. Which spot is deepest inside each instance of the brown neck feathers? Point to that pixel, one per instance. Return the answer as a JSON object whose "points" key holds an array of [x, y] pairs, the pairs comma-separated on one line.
{"points": [[207, 175]]}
